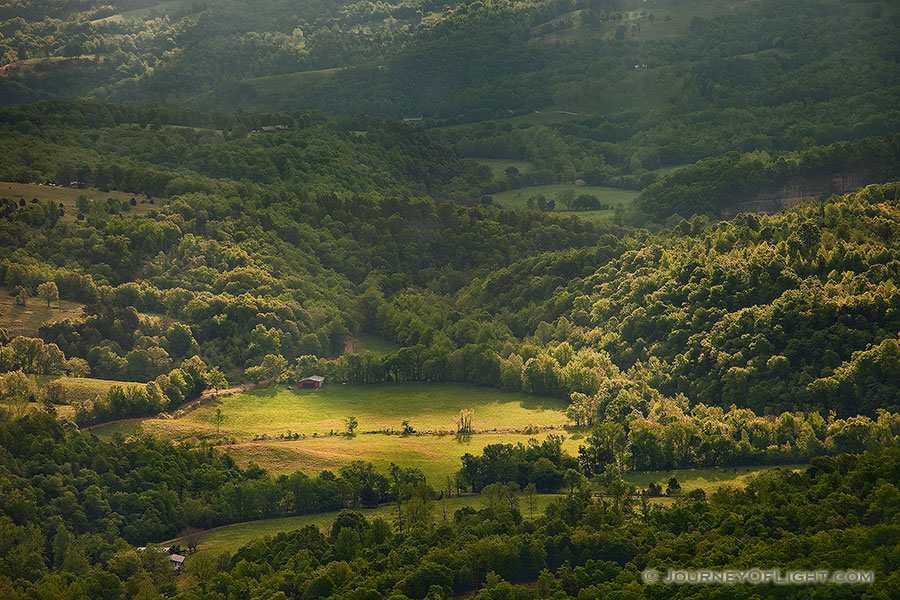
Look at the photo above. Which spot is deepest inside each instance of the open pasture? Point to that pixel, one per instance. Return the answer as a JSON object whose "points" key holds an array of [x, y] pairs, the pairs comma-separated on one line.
{"points": [[232, 537], [83, 389], [170, 8], [518, 198], [428, 407], [708, 480], [498, 166], [371, 343], [25, 320], [67, 196], [437, 456]]}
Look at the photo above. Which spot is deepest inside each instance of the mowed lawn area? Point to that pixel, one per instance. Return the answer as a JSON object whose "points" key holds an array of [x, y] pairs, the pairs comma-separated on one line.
{"points": [[429, 407]]}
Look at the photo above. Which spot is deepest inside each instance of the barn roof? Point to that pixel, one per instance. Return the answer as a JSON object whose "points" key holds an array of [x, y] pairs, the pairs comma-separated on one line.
{"points": [[317, 378]]}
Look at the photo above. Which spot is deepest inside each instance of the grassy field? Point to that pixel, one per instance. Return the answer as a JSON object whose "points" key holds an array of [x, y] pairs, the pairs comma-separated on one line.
{"points": [[499, 165], [373, 343], [274, 90], [429, 407], [518, 198], [437, 456], [667, 170], [80, 389], [25, 320], [62, 411], [232, 537], [499, 417], [167, 7], [67, 196], [706, 479], [637, 13], [125, 427], [281, 85]]}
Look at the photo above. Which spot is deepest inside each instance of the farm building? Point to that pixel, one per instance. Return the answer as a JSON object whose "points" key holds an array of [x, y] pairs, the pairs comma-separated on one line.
{"points": [[177, 561], [313, 382]]}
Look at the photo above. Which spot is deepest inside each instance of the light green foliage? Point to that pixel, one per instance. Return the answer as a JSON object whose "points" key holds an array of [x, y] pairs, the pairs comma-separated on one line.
{"points": [[17, 390]]}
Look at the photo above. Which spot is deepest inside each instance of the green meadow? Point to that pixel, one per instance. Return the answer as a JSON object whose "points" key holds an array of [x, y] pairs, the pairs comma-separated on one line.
{"points": [[25, 320], [232, 537], [706, 479], [438, 456], [254, 420], [518, 198], [259, 427], [373, 343], [498, 166], [167, 7], [429, 408], [67, 196]]}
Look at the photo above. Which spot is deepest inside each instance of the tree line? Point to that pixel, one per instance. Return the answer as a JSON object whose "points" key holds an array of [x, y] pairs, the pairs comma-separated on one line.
{"points": [[841, 510]]}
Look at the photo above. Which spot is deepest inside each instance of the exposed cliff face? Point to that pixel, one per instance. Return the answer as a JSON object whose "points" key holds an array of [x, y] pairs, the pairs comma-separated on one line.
{"points": [[800, 189]]}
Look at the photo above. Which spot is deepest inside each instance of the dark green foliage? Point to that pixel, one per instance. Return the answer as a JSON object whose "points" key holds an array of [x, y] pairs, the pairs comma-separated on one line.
{"points": [[542, 464], [721, 184], [145, 490], [764, 313], [841, 513]]}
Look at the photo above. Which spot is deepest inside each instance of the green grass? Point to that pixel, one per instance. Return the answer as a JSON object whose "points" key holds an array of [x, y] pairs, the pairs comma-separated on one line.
{"points": [[518, 198], [232, 537], [437, 456], [499, 417], [280, 85], [124, 427], [663, 171], [25, 320], [77, 389], [706, 479], [67, 196], [62, 411], [81, 389], [167, 7], [373, 343], [498, 166], [271, 91], [434, 407], [680, 13]]}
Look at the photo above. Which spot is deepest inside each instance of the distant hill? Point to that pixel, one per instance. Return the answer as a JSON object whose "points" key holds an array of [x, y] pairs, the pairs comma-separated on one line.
{"points": [[642, 85]]}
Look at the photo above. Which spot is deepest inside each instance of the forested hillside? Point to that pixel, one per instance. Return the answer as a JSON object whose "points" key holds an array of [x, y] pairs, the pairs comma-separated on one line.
{"points": [[769, 313], [662, 237], [757, 181], [71, 504], [621, 87]]}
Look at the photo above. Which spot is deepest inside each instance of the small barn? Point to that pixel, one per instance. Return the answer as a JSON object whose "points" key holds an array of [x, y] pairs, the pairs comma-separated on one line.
{"points": [[313, 382], [177, 561]]}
